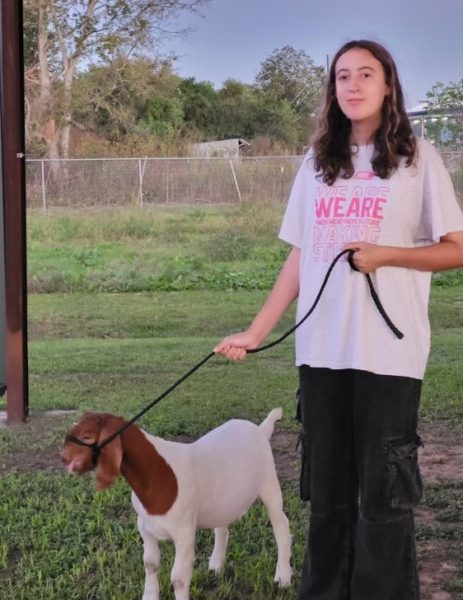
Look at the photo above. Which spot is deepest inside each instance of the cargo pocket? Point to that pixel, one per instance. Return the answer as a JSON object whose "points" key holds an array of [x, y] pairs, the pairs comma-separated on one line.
{"points": [[303, 444], [404, 487]]}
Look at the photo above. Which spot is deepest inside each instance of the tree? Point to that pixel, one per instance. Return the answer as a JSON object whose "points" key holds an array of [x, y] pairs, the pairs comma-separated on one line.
{"points": [[113, 99], [445, 105], [276, 119], [30, 36], [71, 32], [291, 75], [237, 110], [199, 101]]}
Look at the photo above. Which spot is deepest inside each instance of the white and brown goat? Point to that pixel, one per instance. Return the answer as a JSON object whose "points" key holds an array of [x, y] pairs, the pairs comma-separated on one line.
{"points": [[178, 488]]}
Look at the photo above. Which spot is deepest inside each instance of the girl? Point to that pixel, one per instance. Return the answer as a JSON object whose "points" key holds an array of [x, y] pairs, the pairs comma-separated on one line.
{"points": [[366, 185]]}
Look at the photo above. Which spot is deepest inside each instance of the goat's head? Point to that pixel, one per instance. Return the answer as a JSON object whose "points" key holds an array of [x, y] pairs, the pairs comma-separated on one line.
{"points": [[94, 428]]}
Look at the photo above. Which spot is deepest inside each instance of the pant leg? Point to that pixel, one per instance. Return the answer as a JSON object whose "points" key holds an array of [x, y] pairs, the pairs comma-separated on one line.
{"points": [[326, 414], [386, 443]]}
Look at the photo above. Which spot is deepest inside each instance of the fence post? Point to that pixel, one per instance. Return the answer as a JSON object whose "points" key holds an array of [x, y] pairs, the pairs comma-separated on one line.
{"points": [[44, 197], [235, 180], [189, 180], [140, 184]]}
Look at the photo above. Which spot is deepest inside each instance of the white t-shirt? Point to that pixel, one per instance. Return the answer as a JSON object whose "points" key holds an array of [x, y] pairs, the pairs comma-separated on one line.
{"points": [[414, 207]]}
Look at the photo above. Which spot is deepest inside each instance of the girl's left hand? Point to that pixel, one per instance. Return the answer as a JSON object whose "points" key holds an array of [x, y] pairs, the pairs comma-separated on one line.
{"points": [[367, 257]]}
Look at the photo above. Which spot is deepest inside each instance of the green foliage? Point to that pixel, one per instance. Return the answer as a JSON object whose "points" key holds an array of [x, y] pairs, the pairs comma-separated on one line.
{"points": [[117, 97], [276, 118], [238, 106], [66, 33], [199, 101], [131, 105], [163, 116], [30, 34], [291, 75]]}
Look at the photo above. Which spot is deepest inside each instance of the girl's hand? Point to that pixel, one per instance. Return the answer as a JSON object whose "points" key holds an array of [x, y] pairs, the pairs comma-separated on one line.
{"points": [[235, 347], [367, 257]]}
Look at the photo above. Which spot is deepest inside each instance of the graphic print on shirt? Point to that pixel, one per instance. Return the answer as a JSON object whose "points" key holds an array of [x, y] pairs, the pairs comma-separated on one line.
{"points": [[348, 213]]}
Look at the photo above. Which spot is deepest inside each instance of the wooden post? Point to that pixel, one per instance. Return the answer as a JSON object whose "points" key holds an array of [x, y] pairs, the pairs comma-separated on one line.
{"points": [[14, 206]]}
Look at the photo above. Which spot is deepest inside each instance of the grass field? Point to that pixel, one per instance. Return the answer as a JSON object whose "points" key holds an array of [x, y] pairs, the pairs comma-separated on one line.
{"points": [[174, 282]]}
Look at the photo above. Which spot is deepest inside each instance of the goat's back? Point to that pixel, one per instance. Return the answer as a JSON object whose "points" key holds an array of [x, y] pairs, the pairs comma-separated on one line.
{"points": [[223, 471], [231, 465]]}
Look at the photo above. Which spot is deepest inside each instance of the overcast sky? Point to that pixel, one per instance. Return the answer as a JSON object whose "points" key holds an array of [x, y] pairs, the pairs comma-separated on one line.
{"points": [[233, 37]]}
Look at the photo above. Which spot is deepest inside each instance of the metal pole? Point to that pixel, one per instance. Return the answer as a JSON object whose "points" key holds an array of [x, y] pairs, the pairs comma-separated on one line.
{"points": [[141, 175], [140, 184], [14, 201], [44, 198], [235, 180]]}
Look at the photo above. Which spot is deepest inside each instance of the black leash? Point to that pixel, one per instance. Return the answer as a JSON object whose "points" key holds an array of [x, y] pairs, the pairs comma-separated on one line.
{"points": [[96, 448]]}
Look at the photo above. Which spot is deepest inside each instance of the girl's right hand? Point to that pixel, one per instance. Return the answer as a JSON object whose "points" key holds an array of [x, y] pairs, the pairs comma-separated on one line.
{"points": [[235, 346]]}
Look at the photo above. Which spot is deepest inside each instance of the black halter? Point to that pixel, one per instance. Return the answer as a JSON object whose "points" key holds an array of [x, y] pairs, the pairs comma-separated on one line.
{"points": [[95, 448]]}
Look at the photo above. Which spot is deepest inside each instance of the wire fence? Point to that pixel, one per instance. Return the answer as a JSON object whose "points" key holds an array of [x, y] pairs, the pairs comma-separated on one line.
{"points": [[77, 183], [144, 182]]}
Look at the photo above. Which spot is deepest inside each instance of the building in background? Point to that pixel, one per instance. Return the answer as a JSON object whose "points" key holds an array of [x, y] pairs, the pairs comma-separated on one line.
{"points": [[444, 127], [223, 148]]}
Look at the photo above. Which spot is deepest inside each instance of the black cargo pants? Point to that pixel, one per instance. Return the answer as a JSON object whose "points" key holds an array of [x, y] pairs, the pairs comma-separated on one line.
{"points": [[360, 472]]}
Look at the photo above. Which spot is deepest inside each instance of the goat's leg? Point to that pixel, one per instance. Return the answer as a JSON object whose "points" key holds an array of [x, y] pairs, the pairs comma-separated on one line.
{"points": [[151, 558], [273, 501], [220, 547], [183, 564]]}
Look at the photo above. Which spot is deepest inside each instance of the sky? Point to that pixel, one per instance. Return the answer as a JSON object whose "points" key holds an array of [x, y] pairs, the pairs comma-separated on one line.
{"points": [[231, 38]]}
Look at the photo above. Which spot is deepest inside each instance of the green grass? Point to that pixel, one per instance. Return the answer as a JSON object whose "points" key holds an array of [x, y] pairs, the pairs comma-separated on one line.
{"points": [[118, 350], [155, 250], [102, 344], [64, 541]]}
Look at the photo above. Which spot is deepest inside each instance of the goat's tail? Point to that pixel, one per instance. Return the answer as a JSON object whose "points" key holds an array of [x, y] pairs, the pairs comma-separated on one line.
{"points": [[268, 424]]}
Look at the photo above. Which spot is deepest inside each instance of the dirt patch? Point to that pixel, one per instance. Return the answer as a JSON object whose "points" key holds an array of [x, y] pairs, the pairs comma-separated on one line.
{"points": [[35, 444], [441, 458], [442, 455], [287, 456], [438, 562]]}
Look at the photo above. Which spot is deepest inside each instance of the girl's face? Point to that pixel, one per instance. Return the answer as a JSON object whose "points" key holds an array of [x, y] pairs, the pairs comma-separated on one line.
{"points": [[361, 87]]}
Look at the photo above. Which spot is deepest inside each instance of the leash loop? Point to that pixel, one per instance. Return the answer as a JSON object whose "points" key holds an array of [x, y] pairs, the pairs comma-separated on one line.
{"points": [[350, 259], [96, 448]]}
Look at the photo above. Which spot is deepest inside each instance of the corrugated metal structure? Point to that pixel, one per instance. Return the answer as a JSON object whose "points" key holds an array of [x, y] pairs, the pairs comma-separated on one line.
{"points": [[220, 149]]}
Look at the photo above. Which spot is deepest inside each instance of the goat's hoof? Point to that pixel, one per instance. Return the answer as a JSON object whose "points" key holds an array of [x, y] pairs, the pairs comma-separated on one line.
{"points": [[215, 565], [283, 577]]}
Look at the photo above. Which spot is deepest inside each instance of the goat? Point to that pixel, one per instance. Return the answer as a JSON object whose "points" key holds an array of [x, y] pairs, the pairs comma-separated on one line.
{"points": [[178, 488]]}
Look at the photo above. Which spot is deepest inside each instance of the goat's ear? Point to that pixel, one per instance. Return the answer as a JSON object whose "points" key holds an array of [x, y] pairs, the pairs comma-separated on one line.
{"points": [[110, 458]]}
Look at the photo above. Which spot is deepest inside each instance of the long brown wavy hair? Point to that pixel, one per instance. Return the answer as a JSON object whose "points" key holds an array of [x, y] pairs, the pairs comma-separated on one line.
{"points": [[394, 138]]}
